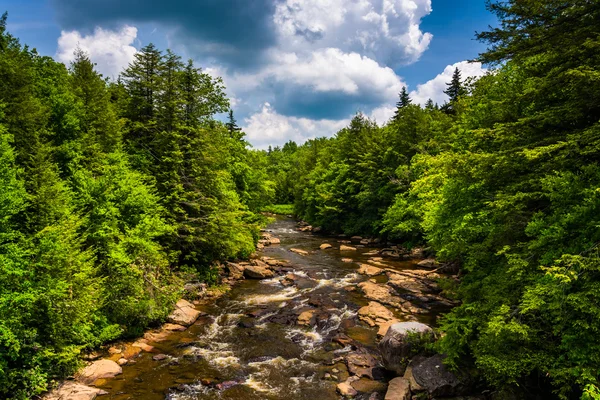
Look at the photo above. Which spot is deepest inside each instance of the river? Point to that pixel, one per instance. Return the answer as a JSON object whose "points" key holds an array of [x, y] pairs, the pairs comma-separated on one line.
{"points": [[248, 344]]}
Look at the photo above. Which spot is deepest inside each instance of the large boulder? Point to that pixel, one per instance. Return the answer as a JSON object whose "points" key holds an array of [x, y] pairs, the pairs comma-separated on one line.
{"points": [[71, 390], [398, 389], [184, 314], [258, 272], [399, 344], [432, 374], [101, 369]]}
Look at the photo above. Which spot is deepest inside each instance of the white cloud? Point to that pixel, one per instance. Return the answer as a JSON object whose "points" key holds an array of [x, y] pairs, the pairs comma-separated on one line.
{"points": [[112, 51], [331, 70], [387, 31], [267, 127], [434, 89], [383, 114]]}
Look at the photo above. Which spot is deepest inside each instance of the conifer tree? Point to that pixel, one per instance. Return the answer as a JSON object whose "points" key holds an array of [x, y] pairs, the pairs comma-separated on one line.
{"points": [[404, 101], [232, 126]]}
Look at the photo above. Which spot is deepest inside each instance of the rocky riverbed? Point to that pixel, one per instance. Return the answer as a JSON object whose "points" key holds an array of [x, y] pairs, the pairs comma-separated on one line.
{"points": [[311, 317]]}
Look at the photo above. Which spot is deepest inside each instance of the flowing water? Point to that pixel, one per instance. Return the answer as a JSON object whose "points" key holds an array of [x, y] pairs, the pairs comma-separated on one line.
{"points": [[248, 346]]}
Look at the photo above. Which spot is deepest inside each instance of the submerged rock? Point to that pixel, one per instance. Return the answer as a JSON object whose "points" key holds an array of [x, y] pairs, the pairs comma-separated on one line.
{"points": [[347, 248], [299, 251], [399, 342]]}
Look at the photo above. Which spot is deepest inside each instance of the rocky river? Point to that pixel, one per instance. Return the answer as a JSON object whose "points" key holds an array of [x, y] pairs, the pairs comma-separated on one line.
{"points": [[302, 321]]}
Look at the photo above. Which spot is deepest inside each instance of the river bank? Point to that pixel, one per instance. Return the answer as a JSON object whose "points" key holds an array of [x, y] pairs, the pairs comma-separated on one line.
{"points": [[303, 320]]}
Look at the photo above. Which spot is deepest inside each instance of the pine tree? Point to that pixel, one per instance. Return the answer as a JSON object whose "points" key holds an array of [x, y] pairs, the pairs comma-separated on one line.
{"points": [[404, 101], [455, 89], [143, 81], [429, 105], [232, 127]]}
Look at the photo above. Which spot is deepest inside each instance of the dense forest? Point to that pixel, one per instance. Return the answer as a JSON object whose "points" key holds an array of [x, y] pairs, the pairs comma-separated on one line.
{"points": [[112, 193], [503, 181]]}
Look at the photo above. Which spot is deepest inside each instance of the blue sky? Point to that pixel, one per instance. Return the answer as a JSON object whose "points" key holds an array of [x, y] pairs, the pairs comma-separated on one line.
{"points": [[294, 69]]}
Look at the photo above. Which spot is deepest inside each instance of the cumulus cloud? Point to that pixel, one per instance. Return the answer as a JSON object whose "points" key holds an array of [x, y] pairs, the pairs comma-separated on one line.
{"points": [[434, 88], [267, 127], [111, 50], [385, 30]]}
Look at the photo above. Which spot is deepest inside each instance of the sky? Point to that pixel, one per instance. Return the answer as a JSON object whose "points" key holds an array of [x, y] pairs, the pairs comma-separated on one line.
{"points": [[294, 69]]}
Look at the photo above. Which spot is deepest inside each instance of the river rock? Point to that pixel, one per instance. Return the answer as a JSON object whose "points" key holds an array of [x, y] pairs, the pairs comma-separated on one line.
{"points": [[363, 365], [235, 271], [258, 272], [397, 344], [366, 269], [71, 390], [299, 251], [325, 246], [347, 248], [428, 263], [376, 314], [347, 260], [275, 241], [184, 314], [101, 369], [356, 238], [159, 357], [432, 374], [345, 388], [305, 317], [380, 293], [398, 389], [174, 327]]}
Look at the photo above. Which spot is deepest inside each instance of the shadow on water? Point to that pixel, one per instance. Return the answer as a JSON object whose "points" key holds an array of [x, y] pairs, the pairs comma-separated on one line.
{"points": [[249, 345]]}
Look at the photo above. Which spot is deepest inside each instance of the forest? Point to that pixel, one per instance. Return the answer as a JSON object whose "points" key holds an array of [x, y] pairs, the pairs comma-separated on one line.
{"points": [[114, 193]]}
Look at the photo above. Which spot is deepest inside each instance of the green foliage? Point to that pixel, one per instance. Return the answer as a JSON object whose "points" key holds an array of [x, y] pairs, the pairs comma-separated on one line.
{"points": [[279, 209], [109, 191], [504, 182]]}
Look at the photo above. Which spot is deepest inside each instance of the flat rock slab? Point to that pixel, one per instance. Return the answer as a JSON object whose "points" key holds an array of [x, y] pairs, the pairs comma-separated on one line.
{"points": [[184, 314], [398, 389], [71, 390], [101, 369], [369, 270]]}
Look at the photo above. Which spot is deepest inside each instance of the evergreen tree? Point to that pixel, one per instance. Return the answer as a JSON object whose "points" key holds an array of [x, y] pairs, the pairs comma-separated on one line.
{"points": [[403, 102], [455, 89], [232, 126]]}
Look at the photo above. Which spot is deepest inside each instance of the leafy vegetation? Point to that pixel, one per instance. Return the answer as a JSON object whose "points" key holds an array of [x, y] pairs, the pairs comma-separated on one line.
{"points": [[108, 190], [504, 181]]}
